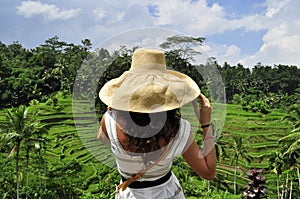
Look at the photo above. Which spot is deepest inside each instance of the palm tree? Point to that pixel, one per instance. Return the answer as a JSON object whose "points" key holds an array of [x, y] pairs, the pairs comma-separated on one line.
{"points": [[220, 146], [294, 115], [276, 165], [291, 142], [291, 151], [240, 151], [292, 139], [21, 128]]}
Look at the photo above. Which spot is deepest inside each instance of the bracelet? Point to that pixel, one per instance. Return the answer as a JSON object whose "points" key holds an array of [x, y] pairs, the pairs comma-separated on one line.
{"points": [[206, 125], [209, 137]]}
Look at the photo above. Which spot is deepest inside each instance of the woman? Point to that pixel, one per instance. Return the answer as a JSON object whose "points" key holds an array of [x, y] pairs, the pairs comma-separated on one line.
{"points": [[145, 130]]}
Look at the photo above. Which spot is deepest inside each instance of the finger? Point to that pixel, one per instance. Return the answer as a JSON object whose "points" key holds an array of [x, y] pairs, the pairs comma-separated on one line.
{"points": [[201, 98], [196, 109], [204, 101]]}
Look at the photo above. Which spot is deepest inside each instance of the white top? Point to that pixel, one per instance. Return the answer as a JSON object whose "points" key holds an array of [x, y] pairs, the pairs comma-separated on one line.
{"points": [[129, 164]]}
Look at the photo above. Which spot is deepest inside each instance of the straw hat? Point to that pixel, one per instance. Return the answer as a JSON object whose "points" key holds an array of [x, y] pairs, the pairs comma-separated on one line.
{"points": [[148, 86]]}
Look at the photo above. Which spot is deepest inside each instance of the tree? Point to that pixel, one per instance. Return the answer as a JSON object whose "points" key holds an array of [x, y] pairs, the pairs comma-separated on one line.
{"points": [[291, 142], [276, 165], [22, 128], [212, 79], [220, 148], [87, 44], [116, 64], [294, 115], [236, 80], [240, 151], [290, 145], [183, 45], [290, 148]]}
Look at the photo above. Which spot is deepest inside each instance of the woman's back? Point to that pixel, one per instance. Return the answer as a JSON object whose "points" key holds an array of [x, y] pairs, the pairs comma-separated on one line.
{"points": [[130, 162]]}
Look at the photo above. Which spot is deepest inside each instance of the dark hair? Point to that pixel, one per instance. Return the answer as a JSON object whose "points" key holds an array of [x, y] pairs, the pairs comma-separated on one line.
{"points": [[145, 130]]}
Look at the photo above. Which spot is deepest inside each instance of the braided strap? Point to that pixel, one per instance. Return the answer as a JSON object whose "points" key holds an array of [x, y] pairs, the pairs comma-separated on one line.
{"points": [[133, 178]]}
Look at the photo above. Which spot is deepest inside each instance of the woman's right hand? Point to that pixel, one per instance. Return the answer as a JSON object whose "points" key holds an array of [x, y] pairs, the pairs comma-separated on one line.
{"points": [[205, 110]]}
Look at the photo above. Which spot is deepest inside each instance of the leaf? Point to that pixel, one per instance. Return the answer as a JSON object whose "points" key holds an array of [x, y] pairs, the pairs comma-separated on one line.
{"points": [[293, 147], [12, 150], [10, 136]]}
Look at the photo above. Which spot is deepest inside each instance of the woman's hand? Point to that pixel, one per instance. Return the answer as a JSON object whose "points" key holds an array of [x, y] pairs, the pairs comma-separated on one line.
{"points": [[205, 110]]}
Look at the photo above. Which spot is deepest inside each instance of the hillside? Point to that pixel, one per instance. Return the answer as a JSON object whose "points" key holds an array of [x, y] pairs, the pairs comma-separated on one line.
{"points": [[74, 158]]}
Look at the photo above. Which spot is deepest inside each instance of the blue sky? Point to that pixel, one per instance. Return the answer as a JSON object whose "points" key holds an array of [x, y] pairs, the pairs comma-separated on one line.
{"points": [[240, 8], [250, 41], [236, 31]]}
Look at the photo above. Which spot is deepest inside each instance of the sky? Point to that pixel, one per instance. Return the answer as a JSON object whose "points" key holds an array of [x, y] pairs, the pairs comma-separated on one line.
{"points": [[236, 31]]}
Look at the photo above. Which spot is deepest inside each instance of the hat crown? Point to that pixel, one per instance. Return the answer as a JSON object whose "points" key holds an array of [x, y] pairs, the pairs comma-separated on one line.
{"points": [[148, 86], [143, 57]]}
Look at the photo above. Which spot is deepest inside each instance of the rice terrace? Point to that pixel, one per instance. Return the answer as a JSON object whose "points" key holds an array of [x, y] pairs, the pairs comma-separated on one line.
{"points": [[44, 156]]}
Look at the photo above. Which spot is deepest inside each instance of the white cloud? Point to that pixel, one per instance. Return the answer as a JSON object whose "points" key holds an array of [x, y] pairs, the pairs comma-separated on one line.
{"points": [[104, 18], [281, 41], [279, 20], [49, 11], [222, 52], [99, 14], [196, 17], [274, 7], [141, 37]]}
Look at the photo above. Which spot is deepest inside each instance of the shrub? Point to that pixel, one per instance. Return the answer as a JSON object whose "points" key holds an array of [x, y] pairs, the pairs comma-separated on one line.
{"points": [[256, 106], [237, 99], [256, 188]]}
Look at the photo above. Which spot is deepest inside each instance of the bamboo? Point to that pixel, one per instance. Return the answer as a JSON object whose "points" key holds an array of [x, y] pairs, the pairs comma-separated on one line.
{"points": [[278, 191], [284, 190], [234, 184], [208, 185], [298, 173], [291, 189]]}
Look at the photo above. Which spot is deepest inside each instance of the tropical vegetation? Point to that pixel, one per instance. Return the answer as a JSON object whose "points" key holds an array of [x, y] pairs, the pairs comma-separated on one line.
{"points": [[50, 113]]}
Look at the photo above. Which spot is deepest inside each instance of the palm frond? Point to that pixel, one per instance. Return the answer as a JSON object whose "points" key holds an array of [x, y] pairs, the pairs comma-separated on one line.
{"points": [[9, 137], [12, 150], [293, 147], [294, 135], [296, 130]]}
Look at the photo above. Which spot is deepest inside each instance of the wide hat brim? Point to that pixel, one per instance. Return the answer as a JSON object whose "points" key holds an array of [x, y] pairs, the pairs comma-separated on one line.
{"points": [[149, 88]]}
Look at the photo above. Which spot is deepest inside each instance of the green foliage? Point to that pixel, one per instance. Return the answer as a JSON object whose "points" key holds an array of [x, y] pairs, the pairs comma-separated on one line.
{"points": [[259, 106], [23, 129], [120, 64], [294, 115], [60, 167], [277, 86], [237, 99], [66, 168], [38, 73]]}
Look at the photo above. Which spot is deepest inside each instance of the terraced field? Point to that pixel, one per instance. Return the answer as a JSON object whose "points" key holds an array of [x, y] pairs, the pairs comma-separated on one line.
{"points": [[72, 140], [261, 132]]}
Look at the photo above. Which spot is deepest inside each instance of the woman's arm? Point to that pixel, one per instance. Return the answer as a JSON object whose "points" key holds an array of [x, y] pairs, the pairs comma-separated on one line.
{"points": [[102, 132], [203, 162]]}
